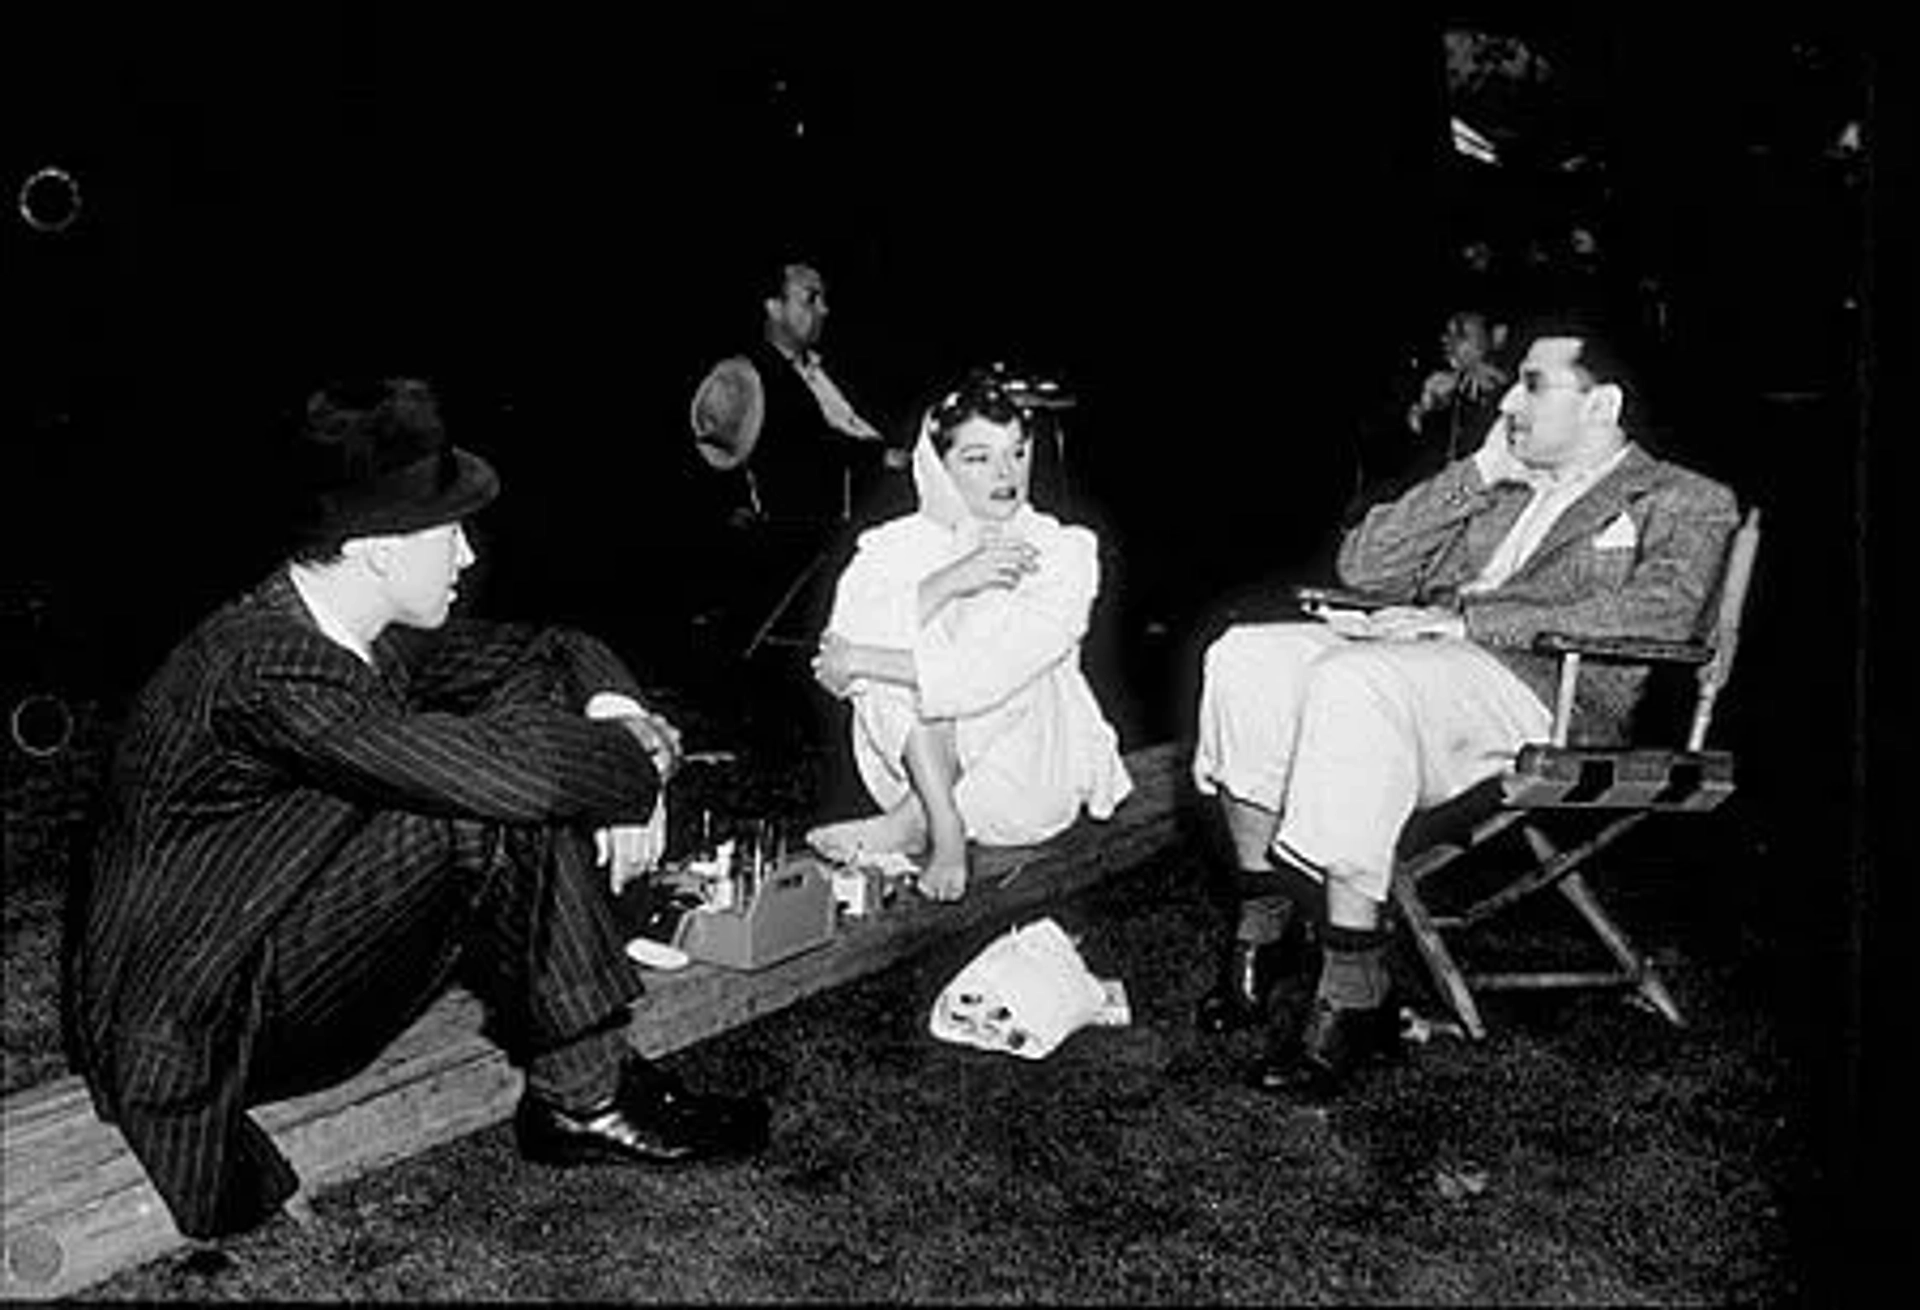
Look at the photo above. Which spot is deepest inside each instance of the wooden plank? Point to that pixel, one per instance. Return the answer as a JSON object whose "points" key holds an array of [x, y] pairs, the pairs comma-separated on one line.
{"points": [[75, 1206], [1488, 982]]}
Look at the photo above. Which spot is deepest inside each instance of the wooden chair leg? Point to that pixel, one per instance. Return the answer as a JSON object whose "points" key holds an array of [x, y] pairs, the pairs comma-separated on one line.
{"points": [[1581, 896], [1452, 983]]}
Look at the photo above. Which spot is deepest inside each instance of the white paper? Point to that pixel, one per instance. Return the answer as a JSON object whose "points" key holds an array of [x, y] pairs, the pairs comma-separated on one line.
{"points": [[1025, 994]]}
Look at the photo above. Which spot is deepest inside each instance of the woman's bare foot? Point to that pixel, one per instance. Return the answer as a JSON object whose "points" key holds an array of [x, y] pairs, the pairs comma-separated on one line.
{"points": [[901, 830], [945, 877]]}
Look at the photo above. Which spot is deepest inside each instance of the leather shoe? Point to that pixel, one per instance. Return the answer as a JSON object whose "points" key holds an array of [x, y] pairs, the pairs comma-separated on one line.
{"points": [[1248, 976], [1331, 1047], [653, 1119]]}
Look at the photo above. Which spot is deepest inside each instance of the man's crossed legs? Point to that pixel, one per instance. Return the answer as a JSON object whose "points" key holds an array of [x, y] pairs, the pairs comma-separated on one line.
{"points": [[1319, 748]]}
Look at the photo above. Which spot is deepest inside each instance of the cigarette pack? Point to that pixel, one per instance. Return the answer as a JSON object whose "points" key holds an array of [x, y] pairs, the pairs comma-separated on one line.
{"points": [[787, 912]]}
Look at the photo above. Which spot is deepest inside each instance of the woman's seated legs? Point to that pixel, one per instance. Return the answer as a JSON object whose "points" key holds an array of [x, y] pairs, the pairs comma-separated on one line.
{"points": [[900, 830], [924, 818], [881, 722], [933, 763]]}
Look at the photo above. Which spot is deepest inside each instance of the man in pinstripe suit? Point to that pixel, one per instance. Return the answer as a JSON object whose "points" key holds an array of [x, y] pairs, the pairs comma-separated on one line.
{"points": [[333, 800]]}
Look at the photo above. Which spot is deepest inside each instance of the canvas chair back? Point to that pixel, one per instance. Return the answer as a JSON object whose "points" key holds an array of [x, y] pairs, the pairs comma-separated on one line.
{"points": [[1725, 636]]}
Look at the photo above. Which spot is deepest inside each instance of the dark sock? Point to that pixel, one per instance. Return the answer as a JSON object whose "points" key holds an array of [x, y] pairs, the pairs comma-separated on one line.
{"points": [[1268, 899], [1353, 969], [1264, 920], [583, 1075]]}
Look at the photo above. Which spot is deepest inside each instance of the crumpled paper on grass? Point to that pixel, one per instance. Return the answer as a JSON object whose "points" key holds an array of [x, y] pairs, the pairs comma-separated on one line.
{"points": [[1023, 995]]}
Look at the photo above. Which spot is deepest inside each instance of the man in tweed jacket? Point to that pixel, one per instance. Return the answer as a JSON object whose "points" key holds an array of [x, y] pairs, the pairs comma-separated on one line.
{"points": [[332, 800], [1321, 739]]}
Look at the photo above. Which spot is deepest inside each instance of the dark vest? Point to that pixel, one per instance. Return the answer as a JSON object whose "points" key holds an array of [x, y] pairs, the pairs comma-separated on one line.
{"points": [[797, 463]]}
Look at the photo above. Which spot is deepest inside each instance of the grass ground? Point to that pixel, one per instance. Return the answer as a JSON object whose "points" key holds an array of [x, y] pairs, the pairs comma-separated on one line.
{"points": [[1585, 1153]]}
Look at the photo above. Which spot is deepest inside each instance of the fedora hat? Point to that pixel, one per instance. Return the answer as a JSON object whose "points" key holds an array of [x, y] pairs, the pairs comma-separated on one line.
{"points": [[728, 408], [374, 460]]}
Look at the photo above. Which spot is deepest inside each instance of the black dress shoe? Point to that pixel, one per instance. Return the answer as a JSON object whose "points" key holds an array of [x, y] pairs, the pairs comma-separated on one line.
{"points": [[653, 1120], [1333, 1045], [1249, 974]]}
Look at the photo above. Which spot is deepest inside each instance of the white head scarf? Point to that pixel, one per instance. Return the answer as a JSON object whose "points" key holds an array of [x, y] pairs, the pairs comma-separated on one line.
{"points": [[941, 501]]}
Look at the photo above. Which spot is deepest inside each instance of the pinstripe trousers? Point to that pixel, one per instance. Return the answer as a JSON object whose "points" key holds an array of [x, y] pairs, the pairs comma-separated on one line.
{"points": [[300, 853], [515, 913]]}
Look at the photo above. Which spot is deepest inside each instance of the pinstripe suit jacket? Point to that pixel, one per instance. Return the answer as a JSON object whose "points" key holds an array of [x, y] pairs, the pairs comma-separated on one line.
{"points": [[253, 755], [1588, 576]]}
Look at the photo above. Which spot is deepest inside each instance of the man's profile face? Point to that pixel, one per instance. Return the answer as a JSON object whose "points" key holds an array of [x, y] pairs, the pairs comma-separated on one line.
{"points": [[421, 570], [800, 315], [1547, 406]]}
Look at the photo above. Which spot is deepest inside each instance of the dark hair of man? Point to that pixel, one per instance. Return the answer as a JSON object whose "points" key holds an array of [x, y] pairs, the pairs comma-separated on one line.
{"points": [[1605, 355], [774, 278], [324, 551]]}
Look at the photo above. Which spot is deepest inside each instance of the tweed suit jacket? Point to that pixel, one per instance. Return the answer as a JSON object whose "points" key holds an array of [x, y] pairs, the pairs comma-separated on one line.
{"points": [[1591, 575], [257, 751]]}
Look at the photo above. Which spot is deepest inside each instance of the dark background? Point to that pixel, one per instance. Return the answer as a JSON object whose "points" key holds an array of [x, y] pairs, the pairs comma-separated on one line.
{"points": [[1228, 238], [562, 220], [1226, 231]]}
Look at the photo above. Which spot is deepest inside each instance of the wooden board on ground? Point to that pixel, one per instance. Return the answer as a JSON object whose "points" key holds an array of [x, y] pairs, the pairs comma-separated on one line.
{"points": [[75, 1206]]}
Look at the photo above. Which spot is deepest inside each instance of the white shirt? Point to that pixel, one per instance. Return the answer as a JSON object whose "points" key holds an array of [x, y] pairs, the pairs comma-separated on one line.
{"points": [[834, 405], [1552, 495], [330, 625]]}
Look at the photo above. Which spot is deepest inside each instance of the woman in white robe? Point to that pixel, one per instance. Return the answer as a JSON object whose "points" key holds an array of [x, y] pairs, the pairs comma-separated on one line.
{"points": [[956, 635]]}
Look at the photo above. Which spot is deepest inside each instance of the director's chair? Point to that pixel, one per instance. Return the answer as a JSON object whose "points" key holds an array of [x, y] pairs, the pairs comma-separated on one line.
{"points": [[1625, 784]]}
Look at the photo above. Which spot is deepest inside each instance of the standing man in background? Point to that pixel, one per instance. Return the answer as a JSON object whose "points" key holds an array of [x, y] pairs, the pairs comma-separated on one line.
{"points": [[797, 463], [775, 416]]}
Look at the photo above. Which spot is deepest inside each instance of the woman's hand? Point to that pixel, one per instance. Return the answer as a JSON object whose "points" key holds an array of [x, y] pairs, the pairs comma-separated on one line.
{"points": [[833, 664], [996, 562]]}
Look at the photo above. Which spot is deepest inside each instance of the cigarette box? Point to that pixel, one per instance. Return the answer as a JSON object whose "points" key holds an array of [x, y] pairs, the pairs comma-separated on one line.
{"points": [[790, 911]]}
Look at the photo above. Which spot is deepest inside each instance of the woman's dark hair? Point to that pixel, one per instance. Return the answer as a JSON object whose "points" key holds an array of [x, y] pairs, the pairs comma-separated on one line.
{"points": [[995, 393]]}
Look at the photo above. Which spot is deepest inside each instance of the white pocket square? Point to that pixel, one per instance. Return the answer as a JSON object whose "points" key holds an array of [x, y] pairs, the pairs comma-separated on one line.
{"points": [[1617, 535]]}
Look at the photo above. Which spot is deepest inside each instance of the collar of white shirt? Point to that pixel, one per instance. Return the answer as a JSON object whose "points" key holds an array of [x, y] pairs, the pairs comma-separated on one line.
{"points": [[329, 623], [1580, 475], [1553, 492], [834, 405]]}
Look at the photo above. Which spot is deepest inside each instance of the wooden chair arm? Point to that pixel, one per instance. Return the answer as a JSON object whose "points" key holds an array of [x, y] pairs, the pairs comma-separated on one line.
{"points": [[1573, 651], [1637, 650], [1310, 598]]}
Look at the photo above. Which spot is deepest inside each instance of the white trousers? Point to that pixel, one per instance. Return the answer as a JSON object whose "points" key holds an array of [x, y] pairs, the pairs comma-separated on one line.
{"points": [[1345, 739]]}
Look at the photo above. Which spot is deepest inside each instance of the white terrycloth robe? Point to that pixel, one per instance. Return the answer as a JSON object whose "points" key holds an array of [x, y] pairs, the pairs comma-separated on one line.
{"points": [[1002, 664]]}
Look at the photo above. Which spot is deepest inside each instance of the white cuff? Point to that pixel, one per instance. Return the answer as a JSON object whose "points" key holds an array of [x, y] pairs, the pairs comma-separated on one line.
{"points": [[613, 705]]}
